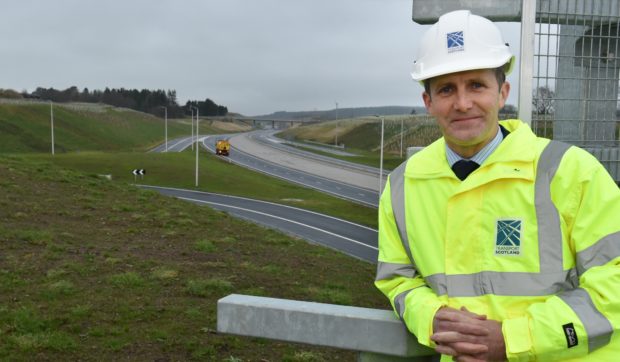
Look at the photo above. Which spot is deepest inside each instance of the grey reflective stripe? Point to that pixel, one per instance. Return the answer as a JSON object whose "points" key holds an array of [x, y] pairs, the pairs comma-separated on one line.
{"points": [[598, 328], [600, 253], [390, 270], [399, 303], [502, 283], [547, 215], [386, 270], [397, 194]]}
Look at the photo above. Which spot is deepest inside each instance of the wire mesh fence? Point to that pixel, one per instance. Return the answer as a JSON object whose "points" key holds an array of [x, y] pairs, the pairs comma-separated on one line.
{"points": [[576, 76]]}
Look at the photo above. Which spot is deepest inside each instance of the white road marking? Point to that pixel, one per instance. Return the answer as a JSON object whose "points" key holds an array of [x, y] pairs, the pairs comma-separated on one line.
{"points": [[261, 201], [280, 218]]}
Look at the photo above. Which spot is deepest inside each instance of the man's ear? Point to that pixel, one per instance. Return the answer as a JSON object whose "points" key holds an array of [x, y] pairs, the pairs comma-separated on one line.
{"points": [[504, 91], [427, 100]]}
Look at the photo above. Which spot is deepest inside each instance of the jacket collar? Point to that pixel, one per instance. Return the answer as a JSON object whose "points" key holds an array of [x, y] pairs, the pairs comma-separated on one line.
{"points": [[511, 159]]}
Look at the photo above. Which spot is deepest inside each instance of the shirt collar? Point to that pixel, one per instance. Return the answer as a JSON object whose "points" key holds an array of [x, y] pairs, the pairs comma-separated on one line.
{"points": [[481, 155]]}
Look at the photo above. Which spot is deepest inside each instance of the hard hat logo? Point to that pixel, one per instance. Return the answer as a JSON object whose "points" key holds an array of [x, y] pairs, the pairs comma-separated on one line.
{"points": [[485, 48], [456, 42]]}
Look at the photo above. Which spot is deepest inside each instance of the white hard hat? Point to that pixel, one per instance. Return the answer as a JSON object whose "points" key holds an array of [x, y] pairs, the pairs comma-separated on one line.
{"points": [[460, 41]]}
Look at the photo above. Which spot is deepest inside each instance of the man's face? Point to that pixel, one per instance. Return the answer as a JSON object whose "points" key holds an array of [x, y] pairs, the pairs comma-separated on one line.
{"points": [[466, 106]]}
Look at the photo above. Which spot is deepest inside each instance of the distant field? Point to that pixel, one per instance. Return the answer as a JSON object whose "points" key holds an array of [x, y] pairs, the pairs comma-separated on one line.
{"points": [[92, 269], [25, 128]]}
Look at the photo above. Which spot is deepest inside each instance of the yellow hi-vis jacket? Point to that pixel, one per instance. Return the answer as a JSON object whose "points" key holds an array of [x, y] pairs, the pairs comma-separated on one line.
{"points": [[531, 239]]}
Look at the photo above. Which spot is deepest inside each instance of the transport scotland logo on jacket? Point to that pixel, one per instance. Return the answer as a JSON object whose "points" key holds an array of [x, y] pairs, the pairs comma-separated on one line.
{"points": [[508, 238]]}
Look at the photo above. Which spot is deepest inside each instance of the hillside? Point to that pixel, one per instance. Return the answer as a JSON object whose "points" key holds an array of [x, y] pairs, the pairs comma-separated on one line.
{"points": [[342, 113], [362, 137], [364, 133], [111, 272], [25, 127]]}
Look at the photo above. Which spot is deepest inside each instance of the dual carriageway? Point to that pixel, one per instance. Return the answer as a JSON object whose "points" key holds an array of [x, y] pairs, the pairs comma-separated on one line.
{"points": [[260, 151]]}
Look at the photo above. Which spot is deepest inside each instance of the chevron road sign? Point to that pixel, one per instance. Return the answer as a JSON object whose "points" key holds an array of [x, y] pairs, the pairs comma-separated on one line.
{"points": [[138, 171]]}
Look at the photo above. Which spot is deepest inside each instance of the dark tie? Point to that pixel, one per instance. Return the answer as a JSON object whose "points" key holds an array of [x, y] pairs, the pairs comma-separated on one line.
{"points": [[463, 168]]}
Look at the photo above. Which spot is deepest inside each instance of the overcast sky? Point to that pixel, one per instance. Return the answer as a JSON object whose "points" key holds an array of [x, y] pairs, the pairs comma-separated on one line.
{"points": [[253, 56]]}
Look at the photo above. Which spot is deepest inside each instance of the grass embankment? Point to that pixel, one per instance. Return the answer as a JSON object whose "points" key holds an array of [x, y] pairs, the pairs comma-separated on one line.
{"points": [[98, 270], [362, 137], [25, 127], [215, 175]]}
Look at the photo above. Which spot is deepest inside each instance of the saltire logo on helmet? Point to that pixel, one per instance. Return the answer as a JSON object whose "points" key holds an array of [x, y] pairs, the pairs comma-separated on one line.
{"points": [[455, 41]]}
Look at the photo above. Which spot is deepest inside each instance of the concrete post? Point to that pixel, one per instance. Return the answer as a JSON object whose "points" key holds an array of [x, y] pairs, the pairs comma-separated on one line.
{"points": [[598, 52], [587, 86], [377, 334], [569, 99]]}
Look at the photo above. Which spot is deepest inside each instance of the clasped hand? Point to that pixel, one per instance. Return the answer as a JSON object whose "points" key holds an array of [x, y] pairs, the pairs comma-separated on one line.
{"points": [[467, 336]]}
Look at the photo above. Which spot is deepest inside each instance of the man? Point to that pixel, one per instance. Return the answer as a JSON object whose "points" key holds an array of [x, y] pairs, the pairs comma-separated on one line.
{"points": [[515, 256]]}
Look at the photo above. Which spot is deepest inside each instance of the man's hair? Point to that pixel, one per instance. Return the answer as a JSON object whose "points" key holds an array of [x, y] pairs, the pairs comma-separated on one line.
{"points": [[500, 75]]}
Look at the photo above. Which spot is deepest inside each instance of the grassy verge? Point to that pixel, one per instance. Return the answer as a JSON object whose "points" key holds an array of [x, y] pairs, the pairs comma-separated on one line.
{"points": [[98, 270], [215, 175]]}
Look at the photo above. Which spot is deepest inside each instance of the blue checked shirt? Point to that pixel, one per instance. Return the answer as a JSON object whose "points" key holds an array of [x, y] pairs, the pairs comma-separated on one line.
{"points": [[479, 157]]}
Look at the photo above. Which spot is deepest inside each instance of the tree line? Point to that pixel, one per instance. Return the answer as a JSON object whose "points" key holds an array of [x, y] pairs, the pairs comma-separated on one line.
{"points": [[145, 100]]}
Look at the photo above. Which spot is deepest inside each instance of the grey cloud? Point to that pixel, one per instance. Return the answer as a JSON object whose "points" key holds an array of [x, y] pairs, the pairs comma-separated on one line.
{"points": [[255, 57]]}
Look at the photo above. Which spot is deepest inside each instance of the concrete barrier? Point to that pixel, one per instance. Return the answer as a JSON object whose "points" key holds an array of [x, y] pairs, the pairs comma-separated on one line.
{"points": [[378, 335]]}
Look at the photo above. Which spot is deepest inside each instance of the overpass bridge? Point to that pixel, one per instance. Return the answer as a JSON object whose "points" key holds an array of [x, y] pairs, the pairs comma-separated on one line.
{"points": [[264, 123], [270, 123]]}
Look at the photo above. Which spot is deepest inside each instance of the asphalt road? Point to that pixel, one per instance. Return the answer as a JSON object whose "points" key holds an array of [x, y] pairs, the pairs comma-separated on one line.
{"points": [[353, 239], [268, 138], [286, 163], [258, 144], [336, 177]]}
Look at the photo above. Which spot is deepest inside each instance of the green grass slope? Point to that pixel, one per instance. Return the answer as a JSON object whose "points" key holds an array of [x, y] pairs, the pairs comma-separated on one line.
{"points": [[25, 127], [364, 133], [215, 175], [92, 269]]}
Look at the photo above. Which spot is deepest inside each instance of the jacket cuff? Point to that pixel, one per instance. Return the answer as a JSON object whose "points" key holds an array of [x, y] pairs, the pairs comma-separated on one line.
{"points": [[419, 315], [517, 339]]}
